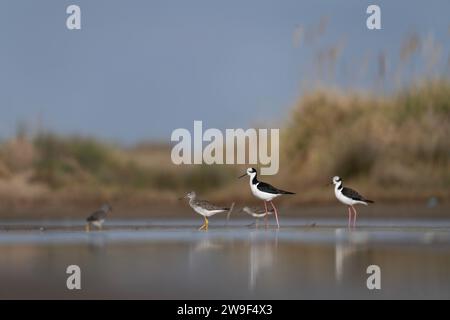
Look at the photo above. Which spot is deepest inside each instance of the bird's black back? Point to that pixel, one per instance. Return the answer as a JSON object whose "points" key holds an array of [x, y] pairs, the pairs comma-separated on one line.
{"points": [[265, 187], [352, 194]]}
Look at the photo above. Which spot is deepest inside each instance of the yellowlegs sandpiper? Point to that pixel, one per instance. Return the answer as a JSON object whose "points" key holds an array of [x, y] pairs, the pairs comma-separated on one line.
{"points": [[257, 213], [97, 218], [204, 208]]}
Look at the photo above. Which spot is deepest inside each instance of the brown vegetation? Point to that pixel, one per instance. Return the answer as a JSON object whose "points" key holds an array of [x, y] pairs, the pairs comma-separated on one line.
{"points": [[390, 148]]}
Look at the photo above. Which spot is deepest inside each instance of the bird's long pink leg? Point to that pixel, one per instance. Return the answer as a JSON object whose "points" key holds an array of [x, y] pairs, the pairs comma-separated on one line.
{"points": [[349, 217], [354, 217], [276, 213], [267, 214]]}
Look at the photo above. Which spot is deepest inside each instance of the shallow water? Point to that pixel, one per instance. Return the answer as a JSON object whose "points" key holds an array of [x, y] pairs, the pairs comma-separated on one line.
{"points": [[157, 259]]}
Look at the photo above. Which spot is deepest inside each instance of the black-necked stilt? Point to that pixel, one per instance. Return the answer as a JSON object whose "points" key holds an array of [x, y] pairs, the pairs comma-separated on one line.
{"points": [[264, 191], [204, 208], [348, 197], [98, 217], [257, 213]]}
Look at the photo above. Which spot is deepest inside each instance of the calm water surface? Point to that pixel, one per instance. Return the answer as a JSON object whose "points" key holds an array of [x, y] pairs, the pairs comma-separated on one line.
{"points": [[171, 259]]}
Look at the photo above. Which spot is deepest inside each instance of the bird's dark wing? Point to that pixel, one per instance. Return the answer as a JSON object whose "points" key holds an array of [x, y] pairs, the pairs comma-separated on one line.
{"points": [[209, 206], [97, 215], [265, 187], [352, 194]]}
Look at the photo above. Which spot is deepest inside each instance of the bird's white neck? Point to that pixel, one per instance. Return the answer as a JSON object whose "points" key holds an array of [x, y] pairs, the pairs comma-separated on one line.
{"points": [[338, 185], [191, 199], [252, 177]]}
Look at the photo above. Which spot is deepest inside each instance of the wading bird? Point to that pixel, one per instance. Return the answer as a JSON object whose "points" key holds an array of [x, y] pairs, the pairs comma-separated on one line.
{"points": [[348, 197], [257, 213], [264, 191], [203, 208], [98, 217]]}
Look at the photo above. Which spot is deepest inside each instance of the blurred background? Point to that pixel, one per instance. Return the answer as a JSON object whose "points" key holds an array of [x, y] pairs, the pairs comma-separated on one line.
{"points": [[86, 115]]}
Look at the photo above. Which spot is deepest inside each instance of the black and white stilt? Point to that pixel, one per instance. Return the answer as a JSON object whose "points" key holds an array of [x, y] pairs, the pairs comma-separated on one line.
{"points": [[348, 197], [264, 191]]}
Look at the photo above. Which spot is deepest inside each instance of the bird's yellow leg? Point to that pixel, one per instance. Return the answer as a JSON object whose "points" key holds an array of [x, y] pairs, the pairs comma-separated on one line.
{"points": [[206, 223], [87, 227], [203, 226]]}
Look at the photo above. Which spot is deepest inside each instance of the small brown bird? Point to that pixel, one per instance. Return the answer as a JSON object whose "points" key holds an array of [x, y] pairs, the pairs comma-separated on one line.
{"points": [[204, 208], [258, 212], [97, 218]]}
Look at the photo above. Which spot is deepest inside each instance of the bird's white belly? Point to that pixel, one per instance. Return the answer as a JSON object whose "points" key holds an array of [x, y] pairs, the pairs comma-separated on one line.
{"points": [[262, 195], [260, 215], [98, 223], [204, 212], [344, 199]]}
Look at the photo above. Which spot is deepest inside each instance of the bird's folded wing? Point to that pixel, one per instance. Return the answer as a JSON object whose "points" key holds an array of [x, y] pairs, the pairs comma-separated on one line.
{"points": [[352, 194], [209, 206], [265, 187], [259, 210], [97, 215]]}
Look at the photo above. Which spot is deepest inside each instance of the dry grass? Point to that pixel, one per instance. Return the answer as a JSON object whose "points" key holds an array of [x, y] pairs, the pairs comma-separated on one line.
{"points": [[390, 148], [396, 143]]}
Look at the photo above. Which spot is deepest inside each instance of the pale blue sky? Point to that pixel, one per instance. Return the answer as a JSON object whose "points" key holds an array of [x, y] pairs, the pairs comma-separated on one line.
{"points": [[139, 69]]}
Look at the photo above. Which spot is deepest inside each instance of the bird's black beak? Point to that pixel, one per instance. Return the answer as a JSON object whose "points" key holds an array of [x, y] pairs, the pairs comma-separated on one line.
{"points": [[242, 175]]}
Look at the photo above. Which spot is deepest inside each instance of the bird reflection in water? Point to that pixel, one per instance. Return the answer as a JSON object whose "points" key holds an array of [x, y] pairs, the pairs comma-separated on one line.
{"points": [[350, 250], [261, 254], [200, 249], [97, 242]]}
